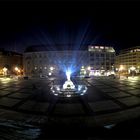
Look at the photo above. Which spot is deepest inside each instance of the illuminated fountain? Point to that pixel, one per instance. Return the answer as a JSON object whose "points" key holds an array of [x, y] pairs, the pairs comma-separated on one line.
{"points": [[68, 84], [69, 89]]}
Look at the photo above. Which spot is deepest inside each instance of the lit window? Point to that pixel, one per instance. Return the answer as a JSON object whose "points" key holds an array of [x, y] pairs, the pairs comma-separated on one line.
{"points": [[138, 50], [101, 47], [97, 47]]}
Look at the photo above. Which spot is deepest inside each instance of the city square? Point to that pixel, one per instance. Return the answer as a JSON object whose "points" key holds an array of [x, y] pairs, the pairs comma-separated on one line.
{"points": [[107, 102], [69, 70]]}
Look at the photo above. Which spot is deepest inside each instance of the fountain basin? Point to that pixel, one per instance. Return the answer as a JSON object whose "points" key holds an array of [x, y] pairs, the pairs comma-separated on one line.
{"points": [[78, 90]]}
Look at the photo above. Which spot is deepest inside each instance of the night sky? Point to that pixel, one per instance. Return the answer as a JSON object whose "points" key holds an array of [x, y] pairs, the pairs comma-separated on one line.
{"points": [[54, 22]]}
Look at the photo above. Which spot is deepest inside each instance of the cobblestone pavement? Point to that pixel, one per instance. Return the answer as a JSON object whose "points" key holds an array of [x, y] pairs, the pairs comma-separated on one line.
{"points": [[108, 101]]}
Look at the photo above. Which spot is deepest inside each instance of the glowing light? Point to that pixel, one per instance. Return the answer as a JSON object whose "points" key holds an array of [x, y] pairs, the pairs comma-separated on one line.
{"points": [[89, 68], [56, 94], [68, 84], [16, 69], [51, 68], [97, 47], [50, 73], [68, 95], [101, 47], [68, 74], [79, 87], [58, 88], [5, 80], [109, 126], [5, 71], [121, 68], [132, 68], [84, 91]]}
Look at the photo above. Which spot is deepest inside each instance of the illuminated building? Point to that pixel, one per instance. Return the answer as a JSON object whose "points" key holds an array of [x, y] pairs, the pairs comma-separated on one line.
{"points": [[8, 61], [101, 59], [129, 59], [39, 61]]}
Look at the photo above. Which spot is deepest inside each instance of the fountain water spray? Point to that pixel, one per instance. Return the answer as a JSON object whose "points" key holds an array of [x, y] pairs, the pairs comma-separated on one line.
{"points": [[68, 89], [68, 84]]}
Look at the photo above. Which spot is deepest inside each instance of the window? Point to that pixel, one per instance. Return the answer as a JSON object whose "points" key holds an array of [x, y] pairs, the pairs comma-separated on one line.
{"points": [[92, 54], [97, 47], [102, 55], [101, 47], [97, 55]]}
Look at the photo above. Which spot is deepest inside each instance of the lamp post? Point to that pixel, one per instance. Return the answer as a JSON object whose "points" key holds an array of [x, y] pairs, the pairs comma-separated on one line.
{"points": [[82, 71], [17, 70], [88, 68], [51, 71], [132, 70], [121, 68], [51, 68], [5, 71]]}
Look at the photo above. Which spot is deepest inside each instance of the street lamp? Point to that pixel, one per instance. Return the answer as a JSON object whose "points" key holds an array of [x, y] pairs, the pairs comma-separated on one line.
{"points": [[132, 70], [82, 71], [17, 70], [5, 71], [51, 71], [89, 68], [121, 68], [51, 68]]}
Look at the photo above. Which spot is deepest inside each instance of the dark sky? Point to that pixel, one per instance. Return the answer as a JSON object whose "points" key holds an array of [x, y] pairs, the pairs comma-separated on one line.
{"points": [[24, 23]]}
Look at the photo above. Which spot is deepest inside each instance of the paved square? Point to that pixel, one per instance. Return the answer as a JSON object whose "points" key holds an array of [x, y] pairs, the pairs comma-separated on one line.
{"points": [[40, 107], [109, 90], [3, 92], [69, 109], [103, 106], [135, 91], [28, 105], [34, 106], [8, 102], [130, 101], [19, 95], [126, 88], [118, 94], [11, 89]]}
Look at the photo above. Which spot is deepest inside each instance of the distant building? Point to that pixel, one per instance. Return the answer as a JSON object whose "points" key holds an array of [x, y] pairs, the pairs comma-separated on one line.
{"points": [[101, 59], [9, 60], [39, 61], [128, 60]]}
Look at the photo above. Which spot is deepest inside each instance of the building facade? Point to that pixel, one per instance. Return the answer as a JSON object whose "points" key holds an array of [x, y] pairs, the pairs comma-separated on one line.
{"points": [[9, 60], [102, 59], [38, 61], [128, 60]]}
